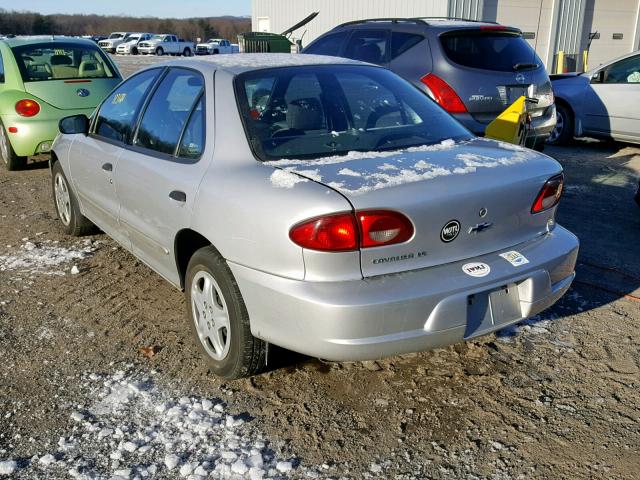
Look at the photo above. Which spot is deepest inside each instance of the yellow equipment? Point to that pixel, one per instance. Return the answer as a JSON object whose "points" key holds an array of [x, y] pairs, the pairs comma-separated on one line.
{"points": [[512, 124]]}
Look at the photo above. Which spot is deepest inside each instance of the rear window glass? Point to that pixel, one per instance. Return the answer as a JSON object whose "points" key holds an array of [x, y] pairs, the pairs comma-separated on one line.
{"points": [[317, 111], [328, 45], [61, 61], [403, 41], [489, 51]]}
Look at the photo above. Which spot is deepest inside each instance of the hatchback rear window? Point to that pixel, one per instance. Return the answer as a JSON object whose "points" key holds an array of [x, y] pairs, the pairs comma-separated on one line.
{"points": [[61, 61], [323, 110], [500, 51]]}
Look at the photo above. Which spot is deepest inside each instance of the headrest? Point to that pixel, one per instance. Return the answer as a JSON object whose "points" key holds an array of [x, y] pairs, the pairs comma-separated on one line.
{"points": [[61, 60], [305, 114]]}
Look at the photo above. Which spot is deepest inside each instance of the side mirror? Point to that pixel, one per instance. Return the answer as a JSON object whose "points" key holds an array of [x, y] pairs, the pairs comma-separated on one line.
{"points": [[74, 124], [598, 77]]}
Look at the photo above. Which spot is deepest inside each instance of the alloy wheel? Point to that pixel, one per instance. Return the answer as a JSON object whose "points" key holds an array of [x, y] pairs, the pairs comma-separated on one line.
{"points": [[211, 315], [63, 199]]}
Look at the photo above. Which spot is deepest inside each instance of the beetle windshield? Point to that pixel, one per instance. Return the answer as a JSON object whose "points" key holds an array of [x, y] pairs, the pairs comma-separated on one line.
{"points": [[323, 110], [61, 61]]}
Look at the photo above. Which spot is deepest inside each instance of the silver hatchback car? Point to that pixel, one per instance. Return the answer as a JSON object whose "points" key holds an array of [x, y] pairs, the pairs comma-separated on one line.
{"points": [[320, 204]]}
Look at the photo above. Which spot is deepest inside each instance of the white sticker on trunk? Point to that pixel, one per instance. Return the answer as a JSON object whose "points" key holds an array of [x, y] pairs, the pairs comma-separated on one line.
{"points": [[515, 258], [476, 269]]}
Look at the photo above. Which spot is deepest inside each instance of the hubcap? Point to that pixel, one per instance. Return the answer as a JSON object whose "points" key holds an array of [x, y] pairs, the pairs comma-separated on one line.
{"points": [[63, 200], [210, 315], [4, 145], [557, 130]]}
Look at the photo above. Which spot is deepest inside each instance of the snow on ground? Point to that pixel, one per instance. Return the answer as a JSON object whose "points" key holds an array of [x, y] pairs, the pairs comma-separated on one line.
{"points": [[131, 428], [45, 258]]}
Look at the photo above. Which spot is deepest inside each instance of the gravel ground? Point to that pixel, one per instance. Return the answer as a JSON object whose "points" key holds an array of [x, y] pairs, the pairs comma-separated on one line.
{"points": [[101, 379]]}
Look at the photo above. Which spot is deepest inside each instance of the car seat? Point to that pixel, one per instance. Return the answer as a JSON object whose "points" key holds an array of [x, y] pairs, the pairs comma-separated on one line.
{"points": [[303, 115], [61, 66]]}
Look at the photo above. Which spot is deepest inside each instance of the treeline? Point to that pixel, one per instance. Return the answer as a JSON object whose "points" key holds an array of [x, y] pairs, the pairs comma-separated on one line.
{"points": [[30, 23]]}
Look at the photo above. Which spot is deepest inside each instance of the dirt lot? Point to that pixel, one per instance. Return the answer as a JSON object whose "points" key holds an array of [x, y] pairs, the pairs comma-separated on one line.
{"points": [[555, 397]]}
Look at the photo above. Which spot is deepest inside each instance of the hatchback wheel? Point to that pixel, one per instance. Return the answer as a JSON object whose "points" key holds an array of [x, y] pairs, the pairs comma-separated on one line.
{"points": [[563, 131], [219, 319], [159, 51], [66, 204], [9, 157]]}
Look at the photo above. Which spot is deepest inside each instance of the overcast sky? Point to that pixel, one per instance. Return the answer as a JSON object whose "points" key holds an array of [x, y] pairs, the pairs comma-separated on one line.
{"points": [[138, 8]]}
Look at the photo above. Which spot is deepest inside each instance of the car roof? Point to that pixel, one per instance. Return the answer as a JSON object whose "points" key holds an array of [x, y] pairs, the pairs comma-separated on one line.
{"points": [[236, 64], [32, 39], [435, 23]]}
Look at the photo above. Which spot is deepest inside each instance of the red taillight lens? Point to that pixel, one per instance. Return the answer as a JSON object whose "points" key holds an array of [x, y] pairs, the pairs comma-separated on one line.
{"points": [[550, 194], [27, 108], [442, 92], [383, 227], [347, 232], [331, 233]]}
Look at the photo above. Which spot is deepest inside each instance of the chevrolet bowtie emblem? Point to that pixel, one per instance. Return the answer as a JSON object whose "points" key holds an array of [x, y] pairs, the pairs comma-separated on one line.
{"points": [[480, 227]]}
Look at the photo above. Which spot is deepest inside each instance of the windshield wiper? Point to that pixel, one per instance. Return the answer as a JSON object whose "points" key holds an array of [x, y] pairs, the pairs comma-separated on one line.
{"points": [[525, 66]]}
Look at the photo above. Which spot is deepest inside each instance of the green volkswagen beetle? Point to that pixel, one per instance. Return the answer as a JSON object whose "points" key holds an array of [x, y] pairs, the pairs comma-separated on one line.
{"points": [[43, 79]]}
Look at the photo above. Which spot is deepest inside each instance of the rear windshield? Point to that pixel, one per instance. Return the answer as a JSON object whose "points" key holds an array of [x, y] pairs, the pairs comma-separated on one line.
{"points": [[61, 61], [311, 112], [500, 51]]}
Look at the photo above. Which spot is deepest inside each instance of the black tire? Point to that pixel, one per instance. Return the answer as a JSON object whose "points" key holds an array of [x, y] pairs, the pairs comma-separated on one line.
{"points": [[73, 222], [563, 133], [134, 51], [246, 354], [159, 51], [11, 161], [187, 52]]}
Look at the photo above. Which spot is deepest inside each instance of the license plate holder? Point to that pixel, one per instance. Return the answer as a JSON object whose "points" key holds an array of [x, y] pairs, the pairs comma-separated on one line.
{"points": [[486, 311]]}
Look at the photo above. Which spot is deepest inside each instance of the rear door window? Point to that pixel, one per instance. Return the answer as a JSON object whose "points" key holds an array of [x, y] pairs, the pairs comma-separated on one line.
{"points": [[491, 50], [327, 45], [169, 110], [121, 108], [368, 46], [403, 41], [624, 71]]}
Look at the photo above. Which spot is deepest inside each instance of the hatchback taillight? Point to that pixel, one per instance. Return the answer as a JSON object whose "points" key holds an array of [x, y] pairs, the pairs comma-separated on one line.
{"points": [[549, 195], [442, 93], [27, 108], [345, 232]]}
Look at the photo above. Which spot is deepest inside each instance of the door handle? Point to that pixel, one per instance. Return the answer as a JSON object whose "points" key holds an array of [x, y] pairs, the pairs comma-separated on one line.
{"points": [[107, 167], [178, 196]]}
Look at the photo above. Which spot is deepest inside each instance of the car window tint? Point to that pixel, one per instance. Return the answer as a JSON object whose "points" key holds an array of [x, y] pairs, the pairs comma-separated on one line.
{"points": [[624, 71], [1, 69], [120, 109], [488, 50], [327, 45], [368, 46], [192, 144], [403, 41], [168, 111]]}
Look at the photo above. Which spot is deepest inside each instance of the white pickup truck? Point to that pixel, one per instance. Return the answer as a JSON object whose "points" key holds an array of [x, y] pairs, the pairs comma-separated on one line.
{"points": [[215, 46], [110, 43], [130, 45], [166, 44]]}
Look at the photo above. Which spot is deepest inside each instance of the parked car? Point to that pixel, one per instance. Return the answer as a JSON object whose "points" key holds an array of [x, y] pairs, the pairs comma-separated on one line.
{"points": [[215, 46], [474, 70], [130, 46], [110, 44], [95, 38], [323, 205], [42, 80], [166, 44], [601, 103]]}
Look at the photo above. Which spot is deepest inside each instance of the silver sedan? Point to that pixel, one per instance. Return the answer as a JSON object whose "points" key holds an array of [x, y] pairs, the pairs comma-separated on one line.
{"points": [[319, 204]]}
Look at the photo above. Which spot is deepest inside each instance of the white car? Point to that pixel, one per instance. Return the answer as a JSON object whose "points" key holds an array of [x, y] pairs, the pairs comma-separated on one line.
{"points": [[163, 44], [130, 47], [112, 41], [216, 46]]}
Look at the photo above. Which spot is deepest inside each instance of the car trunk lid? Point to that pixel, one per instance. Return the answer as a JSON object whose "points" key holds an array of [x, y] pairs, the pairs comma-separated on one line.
{"points": [[72, 94], [481, 188]]}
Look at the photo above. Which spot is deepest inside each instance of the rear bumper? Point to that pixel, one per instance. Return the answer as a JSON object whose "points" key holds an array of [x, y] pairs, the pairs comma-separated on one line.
{"points": [[34, 133], [401, 313]]}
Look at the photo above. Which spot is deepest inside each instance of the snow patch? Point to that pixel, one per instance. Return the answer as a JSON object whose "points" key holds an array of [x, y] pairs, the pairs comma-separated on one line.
{"points": [[285, 179], [349, 172], [43, 258]]}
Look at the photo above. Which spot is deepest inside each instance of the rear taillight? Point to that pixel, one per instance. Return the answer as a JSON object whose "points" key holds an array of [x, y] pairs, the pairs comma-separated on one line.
{"points": [[383, 227], [549, 195], [27, 108], [442, 93], [345, 232]]}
